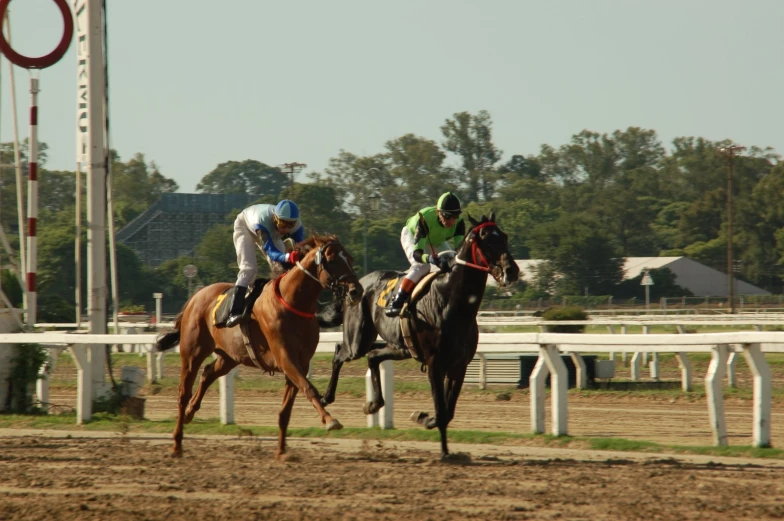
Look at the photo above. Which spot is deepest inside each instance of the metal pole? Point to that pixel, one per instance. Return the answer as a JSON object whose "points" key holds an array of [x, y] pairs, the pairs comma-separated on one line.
{"points": [[730, 278], [78, 245], [91, 153], [20, 209], [364, 236], [730, 152], [32, 208]]}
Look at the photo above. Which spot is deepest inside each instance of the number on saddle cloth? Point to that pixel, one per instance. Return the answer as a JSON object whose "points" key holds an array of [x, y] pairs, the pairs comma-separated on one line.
{"points": [[388, 292], [222, 308]]}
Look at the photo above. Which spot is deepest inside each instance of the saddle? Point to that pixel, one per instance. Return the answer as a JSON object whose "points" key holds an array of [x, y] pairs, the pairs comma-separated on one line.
{"points": [[222, 307], [408, 326]]}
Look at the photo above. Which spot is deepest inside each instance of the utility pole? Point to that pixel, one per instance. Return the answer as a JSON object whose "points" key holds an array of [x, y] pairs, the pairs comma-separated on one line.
{"points": [[290, 169], [730, 152]]}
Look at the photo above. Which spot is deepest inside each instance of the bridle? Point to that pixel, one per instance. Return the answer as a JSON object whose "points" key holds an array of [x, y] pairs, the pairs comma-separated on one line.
{"points": [[479, 260], [337, 285]]}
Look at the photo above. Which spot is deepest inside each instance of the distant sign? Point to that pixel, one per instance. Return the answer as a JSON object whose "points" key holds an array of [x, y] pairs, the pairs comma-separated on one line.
{"points": [[647, 280], [190, 271]]}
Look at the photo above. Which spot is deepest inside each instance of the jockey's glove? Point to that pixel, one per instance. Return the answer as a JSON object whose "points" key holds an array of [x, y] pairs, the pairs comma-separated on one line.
{"points": [[293, 257]]}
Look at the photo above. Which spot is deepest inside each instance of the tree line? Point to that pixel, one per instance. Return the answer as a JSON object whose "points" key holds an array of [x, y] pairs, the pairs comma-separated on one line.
{"points": [[582, 206]]}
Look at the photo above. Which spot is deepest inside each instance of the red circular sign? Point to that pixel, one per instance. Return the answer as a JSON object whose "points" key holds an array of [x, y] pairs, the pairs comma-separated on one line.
{"points": [[53, 57]]}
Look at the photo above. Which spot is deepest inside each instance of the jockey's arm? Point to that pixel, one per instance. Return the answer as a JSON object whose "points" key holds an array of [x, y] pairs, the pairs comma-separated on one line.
{"points": [[268, 247]]}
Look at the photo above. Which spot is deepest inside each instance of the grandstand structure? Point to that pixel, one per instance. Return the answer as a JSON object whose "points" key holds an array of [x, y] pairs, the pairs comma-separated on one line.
{"points": [[173, 226]]}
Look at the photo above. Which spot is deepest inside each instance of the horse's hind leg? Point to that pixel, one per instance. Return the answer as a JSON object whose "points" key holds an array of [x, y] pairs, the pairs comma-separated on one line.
{"points": [[220, 367], [375, 358], [435, 372], [192, 358], [289, 393]]}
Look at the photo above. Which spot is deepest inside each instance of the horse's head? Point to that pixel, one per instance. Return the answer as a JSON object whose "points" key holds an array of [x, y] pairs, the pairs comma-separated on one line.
{"points": [[334, 267], [489, 245]]}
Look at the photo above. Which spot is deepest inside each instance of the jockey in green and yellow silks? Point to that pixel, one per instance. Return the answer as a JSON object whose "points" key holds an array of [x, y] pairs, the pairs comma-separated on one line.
{"points": [[426, 234]]}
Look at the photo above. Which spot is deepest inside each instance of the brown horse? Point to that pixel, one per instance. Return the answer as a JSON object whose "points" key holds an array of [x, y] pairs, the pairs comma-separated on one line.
{"points": [[283, 333]]}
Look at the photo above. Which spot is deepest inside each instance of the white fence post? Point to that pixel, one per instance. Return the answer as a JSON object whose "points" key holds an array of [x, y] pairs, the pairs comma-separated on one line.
{"points": [[581, 373], [372, 419], [713, 388], [386, 413], [559, 384], [226, 385], [762, 394], [686, 372], [84, 383], [536, 386], [731, 363]]}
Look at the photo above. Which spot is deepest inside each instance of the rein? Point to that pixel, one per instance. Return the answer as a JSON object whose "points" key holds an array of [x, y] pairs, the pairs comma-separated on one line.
{"points": [[334, 284], [476, 252]]}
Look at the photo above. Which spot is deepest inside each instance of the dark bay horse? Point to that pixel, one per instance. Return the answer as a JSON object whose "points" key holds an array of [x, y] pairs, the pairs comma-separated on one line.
{"points": [[444, 321], [283, 333]]}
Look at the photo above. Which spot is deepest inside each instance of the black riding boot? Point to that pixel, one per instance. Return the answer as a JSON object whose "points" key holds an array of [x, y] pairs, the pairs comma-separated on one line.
{"points": [[396, 304], [237, 306]]}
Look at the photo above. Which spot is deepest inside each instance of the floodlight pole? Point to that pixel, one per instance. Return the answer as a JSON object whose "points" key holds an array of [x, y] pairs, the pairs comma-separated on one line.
{"points": [[730, 152]]}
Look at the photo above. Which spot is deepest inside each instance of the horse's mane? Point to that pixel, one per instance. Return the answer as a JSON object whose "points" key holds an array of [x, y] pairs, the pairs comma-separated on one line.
{"points": [[315, 241]]}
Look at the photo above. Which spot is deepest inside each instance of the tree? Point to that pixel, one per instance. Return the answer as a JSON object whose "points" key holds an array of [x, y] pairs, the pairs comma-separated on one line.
{"points": [[136, 185], [244, 177], [581, 253], [471, 138]]}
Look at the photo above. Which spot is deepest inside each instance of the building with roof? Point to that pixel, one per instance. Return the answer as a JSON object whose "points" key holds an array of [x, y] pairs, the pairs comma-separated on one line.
{"points": [[701, 280], [176, 223]]}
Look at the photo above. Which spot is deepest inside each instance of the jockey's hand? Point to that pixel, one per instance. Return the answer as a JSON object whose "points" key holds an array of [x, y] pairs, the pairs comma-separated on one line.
{"points": [[442, 263], [293, 257]]}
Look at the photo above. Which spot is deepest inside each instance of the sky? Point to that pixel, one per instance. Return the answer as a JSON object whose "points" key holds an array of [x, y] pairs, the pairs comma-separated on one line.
{"points": [[197, 83]]}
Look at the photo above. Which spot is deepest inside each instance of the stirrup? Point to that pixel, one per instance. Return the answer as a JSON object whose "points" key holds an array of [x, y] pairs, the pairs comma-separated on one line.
{"points": [[233, 320]]}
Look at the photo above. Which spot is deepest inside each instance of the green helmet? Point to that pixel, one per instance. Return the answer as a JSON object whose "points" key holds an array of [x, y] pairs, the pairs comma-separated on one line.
{"points": [[449, 204]]}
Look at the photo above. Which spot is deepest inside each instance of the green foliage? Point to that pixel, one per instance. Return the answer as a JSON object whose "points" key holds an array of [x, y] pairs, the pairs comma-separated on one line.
{"points": [[565, 313], [244, 177], [25, 367]]}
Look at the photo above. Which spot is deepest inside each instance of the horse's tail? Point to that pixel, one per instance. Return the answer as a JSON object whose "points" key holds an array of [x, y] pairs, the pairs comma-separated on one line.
{"points": [[170, 339], [332, 314]]}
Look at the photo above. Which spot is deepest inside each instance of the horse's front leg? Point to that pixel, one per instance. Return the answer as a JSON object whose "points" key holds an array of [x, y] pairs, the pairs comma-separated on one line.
{"points": [[332, 387], [294, 372], [289, 394], [454, 384], [436, 374], [375, 358]]}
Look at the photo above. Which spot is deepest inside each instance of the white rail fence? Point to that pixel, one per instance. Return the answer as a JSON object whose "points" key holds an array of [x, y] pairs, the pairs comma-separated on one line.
{"points": [[549, 347]]}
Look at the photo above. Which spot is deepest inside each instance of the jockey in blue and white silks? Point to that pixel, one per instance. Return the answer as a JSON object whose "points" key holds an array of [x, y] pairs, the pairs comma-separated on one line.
{"points": [[265, 226]]}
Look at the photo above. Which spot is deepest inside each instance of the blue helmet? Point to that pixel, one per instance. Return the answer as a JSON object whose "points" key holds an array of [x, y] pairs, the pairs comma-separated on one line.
{"points": [[286, 210]]}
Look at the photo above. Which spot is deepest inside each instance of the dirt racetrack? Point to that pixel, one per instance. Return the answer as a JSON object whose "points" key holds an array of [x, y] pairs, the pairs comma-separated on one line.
{"points": [[81, 475], [120, 477]]}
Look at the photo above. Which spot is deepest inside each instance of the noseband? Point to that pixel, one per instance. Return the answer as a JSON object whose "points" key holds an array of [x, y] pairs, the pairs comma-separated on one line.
{"points": [[337, 285]]}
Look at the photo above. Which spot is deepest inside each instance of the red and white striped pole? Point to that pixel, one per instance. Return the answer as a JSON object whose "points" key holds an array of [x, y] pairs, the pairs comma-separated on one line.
{"points": [[32, 206]]}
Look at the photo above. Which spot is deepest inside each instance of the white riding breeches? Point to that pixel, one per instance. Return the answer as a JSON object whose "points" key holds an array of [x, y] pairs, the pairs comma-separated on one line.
{"points": [[245, 246]]}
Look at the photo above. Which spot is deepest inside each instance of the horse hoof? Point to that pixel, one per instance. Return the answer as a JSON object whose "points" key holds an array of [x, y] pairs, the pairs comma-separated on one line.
{"points": [[419, 417], [431, 423], [334, 425], [176, 453], [281, 456], [372, 407]]}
